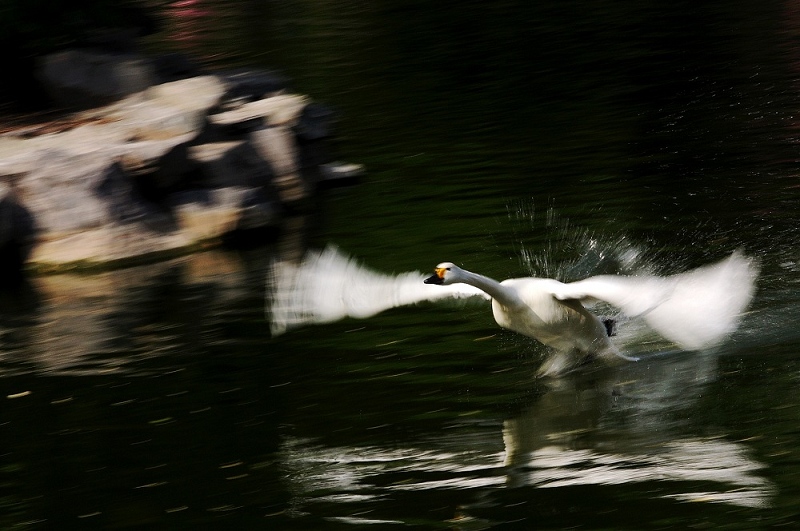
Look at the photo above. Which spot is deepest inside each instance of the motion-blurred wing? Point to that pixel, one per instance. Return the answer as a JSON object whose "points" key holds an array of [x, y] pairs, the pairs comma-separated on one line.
{"points": [[327, 286], [696, 309]]}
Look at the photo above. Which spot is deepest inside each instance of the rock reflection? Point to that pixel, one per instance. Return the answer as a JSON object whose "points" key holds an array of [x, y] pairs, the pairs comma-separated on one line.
{"points": [[112, 321]]}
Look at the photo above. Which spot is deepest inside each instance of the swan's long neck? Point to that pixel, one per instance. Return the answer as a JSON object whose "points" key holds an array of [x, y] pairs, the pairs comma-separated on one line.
{"points": [[502, 294]]}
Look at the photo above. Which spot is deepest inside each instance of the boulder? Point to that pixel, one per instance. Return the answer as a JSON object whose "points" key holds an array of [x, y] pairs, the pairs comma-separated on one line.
{"points": [[315, 122], [175, 66], [243, 118], [17, 235], [258, 211], [78, 79], [167, 110], [277, 145], [159, 165], [237, 165], [251, 85], [122, 244], [125, 204], [231, 163], [211, 214], [336, 174], [204, 215], [163, 171], [61, 191]]}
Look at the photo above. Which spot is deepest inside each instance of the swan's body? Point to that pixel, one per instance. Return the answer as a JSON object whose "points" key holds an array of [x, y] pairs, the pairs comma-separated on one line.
{"points": [[695, 310], [529, 306], [563, 325]]}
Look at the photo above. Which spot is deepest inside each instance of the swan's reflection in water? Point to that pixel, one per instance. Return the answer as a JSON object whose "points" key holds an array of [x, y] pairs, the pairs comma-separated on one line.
{"points": [[610, 431], [689, 460], [628, 433]]}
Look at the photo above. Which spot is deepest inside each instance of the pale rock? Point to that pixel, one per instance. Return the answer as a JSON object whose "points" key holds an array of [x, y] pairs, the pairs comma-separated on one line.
{"points": [[282, 109]]}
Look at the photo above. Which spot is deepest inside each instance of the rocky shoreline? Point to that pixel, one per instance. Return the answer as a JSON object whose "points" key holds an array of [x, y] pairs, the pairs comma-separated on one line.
{"points": [[167, 170]]}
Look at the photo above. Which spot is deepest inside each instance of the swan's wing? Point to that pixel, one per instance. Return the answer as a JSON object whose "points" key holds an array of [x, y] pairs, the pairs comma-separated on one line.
{"points": [[327, 286], [696, 309]]}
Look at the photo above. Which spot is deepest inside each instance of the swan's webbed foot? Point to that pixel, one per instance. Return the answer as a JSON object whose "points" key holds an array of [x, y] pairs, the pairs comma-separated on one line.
{"points": [[611, 325]]}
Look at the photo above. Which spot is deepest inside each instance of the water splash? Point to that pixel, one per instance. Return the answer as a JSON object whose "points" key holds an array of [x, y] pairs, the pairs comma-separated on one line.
{"points": [[570, 251]]}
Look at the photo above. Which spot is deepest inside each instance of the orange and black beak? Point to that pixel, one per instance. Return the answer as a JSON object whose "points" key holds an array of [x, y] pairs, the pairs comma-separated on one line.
{"points": [[436, 278]]}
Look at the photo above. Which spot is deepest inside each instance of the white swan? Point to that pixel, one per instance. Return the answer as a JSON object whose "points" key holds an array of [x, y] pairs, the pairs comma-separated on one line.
{"points": [[531, 306], [696, 309]]}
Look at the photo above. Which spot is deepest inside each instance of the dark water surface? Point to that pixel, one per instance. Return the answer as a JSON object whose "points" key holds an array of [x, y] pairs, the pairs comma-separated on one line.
{"points": [[559, 138]]}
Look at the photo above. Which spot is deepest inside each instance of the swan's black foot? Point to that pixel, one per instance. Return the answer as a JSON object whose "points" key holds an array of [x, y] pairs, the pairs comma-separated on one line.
{"points": [[611, 325]]}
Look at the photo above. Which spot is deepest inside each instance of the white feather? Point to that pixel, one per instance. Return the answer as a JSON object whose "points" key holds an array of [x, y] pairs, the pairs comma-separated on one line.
{"points": [[327, 286]]}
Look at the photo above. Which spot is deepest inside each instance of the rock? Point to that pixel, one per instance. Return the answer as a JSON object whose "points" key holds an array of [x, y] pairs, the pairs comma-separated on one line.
{"points": [[159, 127], [81, 78], [160, 165], [334, 174], [236, 165], [175, 67], [313, 126], [281, 110], [163, 171], [192, 94], [250, 85], [125, 205], [17, 236], [209, 214], [258, 211], [232, 163], [277, 146], [87, 207], [165, 110], [204, 215], [315, 122], [124, 244], [60, 191]]}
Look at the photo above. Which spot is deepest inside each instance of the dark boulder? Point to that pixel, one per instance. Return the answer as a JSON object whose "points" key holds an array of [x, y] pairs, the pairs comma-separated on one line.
{"points": [[251, 85], [17, 237], [80, 79], [316, 122]]}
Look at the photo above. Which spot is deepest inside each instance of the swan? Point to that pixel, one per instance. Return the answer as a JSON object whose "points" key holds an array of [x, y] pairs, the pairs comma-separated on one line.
{"points": [[536, 307], [695, 310]]}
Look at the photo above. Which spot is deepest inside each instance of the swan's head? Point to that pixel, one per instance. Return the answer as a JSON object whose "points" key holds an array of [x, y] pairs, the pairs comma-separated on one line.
{"points": [[445, 273]]}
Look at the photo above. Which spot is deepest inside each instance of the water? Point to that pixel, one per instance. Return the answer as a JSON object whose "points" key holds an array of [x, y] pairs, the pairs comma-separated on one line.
{"points": [[553, 139]]}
